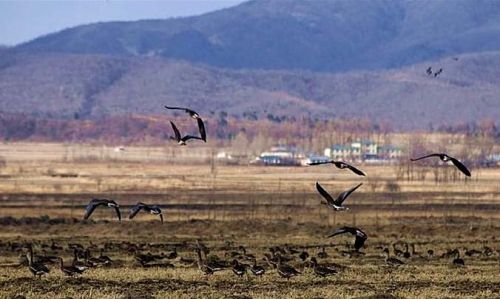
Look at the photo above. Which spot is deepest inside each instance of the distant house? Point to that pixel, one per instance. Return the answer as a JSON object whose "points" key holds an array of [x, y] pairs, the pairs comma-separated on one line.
{"points": [[365, 150], [492, 160], [281, 156], [314, 159]]}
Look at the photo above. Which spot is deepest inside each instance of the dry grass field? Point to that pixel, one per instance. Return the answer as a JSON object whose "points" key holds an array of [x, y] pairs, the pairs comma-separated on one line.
{"points": [[45, 187]]}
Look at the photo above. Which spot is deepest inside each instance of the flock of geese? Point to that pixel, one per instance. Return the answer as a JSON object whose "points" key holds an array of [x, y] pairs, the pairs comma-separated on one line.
{"points": [[278, 257]]}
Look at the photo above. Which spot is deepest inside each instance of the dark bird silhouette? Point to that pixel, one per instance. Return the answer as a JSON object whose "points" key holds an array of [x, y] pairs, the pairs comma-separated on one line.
{"points": [[322, 254], [360, 235], [154, 210], [429, 71], [336, 204], [96, 202], [201, 128], [438, 72], [340, 165], [182, 140], [191, 113], [446, 158]]}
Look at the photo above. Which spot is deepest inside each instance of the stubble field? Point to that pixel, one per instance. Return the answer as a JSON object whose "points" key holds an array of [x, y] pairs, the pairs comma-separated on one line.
{"points": [[44, 191]]}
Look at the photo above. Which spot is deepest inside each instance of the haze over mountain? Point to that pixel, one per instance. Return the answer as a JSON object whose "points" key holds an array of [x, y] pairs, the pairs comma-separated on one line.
{"points": [[319, 35], [339, 58]]}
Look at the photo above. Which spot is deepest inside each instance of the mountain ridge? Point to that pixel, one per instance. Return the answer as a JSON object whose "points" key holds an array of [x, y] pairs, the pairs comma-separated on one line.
{"points": [[327, 36]]}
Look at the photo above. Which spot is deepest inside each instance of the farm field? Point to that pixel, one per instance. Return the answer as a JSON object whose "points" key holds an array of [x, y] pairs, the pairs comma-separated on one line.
{"points": [[44, 191]]}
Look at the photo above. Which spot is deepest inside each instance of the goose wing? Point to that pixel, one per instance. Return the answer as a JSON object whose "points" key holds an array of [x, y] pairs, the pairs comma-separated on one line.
{"points": [[135, 209], [201, 128], [192, 112], [460, 166], [176, 131], [345, 194], [341, 230], [187, 137], [355, 170], [325, 194], [319, 163], [118, 214], [92, 205], [427, 156]]}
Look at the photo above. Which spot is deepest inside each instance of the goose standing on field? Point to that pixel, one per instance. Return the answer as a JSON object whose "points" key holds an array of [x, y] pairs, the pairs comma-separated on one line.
{"points": [[322, 254], [256, 269], [69, 270], [321, 270], [285, 270], [336, 204], [96, 202], [457, 261], [36, 268], [392, 261], [154, 210], [361, 236], [181, 140], [239, 269], [340, 165], [445, 158]]}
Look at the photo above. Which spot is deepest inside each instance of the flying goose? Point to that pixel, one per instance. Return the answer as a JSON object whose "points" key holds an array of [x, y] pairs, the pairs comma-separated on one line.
{"points": [[95, 202], [446, 158], [429, 71], [37, 268], [191, 113], [340, 165], [154, 210], [336, 204], [438, 72], [360, 235], [182, 140], [69, 270], [392, 261]]}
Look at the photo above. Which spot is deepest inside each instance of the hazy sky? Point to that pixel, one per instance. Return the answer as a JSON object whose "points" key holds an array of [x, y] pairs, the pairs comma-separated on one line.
{"points": [[22, 20]]}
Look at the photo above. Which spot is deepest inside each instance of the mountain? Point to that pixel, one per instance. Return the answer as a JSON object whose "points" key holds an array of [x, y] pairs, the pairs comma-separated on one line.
{"points": [[94, 86], [317, 35]]}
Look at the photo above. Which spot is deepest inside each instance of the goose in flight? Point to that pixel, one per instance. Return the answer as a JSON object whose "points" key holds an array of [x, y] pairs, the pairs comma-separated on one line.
{"points": [[336, 204], [191, 113], [95, 202], [438, 72], [360, 235], [182, 140], [154, 210], [446, 158], [429, 71], [340, 165]]}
